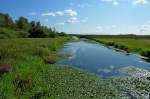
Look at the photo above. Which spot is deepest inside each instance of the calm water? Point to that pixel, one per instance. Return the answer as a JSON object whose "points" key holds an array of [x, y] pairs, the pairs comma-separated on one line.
{"points": [[96, 58]]}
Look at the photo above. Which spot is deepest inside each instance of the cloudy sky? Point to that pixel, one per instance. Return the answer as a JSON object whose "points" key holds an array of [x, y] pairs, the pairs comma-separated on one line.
{"points": [[85, 16]]}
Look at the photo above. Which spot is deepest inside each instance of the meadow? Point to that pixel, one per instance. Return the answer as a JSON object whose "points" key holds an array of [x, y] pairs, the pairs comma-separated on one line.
{"points": [[34, 75], [129, 43]]}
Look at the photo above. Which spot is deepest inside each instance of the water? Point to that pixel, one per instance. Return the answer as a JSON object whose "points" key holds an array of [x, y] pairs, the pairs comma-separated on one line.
{"points": [[96, 58]]}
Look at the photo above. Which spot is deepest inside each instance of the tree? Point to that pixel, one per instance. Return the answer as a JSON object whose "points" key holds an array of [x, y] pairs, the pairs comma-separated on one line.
{"points": [[23, 28], [32, 24], [52, 32], [62, 34], [6, 21], [23, 24], [38, 31]]}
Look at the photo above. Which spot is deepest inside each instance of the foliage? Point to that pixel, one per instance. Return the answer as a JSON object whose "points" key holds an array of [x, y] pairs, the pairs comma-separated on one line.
{"points": [[23, 24], [6, 21], [27, 29], [62, 34]]}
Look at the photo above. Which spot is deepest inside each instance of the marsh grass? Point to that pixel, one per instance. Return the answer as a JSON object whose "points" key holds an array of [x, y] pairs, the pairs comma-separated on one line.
{"points": [[138, 45], [31, 78], [26, 57]]}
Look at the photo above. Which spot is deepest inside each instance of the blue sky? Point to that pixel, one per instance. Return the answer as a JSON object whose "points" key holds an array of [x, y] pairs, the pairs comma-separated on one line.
{"points": [[85, 16]]}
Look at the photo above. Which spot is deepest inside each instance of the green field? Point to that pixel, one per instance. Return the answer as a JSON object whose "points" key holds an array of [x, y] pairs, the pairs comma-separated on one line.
{"points": [[33, 78], [138, 44]]}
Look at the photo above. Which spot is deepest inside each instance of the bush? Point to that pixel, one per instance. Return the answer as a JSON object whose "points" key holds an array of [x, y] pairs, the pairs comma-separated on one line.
{"points": [[145, 53], [42, 52], [38, 33], [123, 47], [111, 43], [62, 34]]}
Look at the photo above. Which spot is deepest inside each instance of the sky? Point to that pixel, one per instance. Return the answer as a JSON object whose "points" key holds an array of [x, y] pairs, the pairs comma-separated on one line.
{"points": [[85, 16]]}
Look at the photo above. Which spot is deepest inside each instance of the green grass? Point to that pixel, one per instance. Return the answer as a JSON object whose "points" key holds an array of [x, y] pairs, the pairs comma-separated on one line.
{"points": [[10, 33], [32, 78], [138, 45]]}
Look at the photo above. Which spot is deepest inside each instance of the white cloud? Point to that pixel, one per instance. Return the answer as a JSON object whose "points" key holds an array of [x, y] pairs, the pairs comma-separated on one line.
{"points": [[140, 2], [70, 12], [73, 20], [33, 13], [60, 24], [49, 14], [67, 12], [134, 2], [114, 2], [59, 13]]}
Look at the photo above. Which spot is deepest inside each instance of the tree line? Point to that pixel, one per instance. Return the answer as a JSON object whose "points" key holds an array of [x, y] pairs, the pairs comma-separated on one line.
{"points": [[22, 27]]}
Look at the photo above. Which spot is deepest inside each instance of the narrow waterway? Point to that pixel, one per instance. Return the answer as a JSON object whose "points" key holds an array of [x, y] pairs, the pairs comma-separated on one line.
{"points": [[96, 58]]}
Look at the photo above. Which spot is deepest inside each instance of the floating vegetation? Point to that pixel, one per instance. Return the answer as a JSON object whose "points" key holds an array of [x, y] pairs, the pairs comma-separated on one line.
{"points": [[135, 71]]}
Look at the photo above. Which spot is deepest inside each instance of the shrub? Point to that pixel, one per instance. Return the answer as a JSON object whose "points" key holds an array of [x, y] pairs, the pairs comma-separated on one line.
{"points": [[116, 45], [38, 33], [42, 52], [145, 53], [62, 34], [111, 43]]}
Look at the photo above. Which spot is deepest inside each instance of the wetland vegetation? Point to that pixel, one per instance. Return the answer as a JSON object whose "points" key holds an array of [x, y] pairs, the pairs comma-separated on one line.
{"points": [[129, 43], [29, 68]]}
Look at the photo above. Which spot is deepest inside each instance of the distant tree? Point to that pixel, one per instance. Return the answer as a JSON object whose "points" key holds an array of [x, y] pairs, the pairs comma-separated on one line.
{"points": [[37, 30], [38, 33], [32, 24], [23, 28], [6, 21], [38, 24], [62, 34], [52, 32], [23, 24]]}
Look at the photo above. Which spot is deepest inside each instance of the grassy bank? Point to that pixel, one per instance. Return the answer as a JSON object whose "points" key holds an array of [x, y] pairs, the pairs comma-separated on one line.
{"points": [[129, 44], [32, 77]]}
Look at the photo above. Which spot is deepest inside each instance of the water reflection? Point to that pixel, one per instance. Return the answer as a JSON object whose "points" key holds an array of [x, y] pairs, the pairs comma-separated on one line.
{"points": [[104, 61]]}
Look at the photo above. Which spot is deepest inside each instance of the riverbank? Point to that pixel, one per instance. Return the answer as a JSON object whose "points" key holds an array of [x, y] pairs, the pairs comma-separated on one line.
{"points": [[131, 44], [132, 71], [32, 74]]}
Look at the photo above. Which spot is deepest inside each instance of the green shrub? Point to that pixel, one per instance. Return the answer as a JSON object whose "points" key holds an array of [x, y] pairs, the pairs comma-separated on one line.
{"points": [[145, 53], [42, 52], [116, 45], [110, 43], [123, 47]]}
